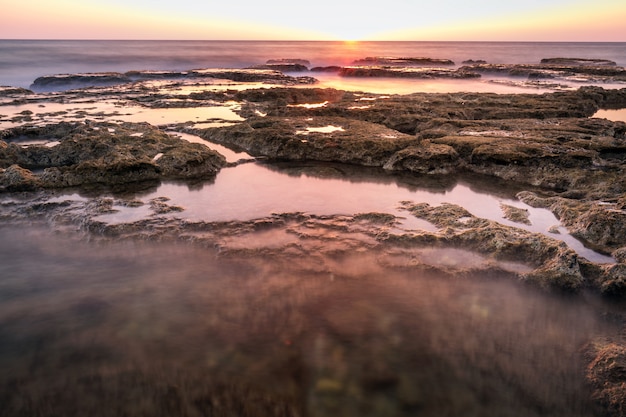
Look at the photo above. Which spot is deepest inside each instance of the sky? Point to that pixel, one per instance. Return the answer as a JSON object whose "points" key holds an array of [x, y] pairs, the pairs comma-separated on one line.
{"points": [[429, 20]]}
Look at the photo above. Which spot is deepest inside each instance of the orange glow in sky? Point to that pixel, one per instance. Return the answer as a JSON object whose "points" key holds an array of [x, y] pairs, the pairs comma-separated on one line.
{"points": [[530, 20]]}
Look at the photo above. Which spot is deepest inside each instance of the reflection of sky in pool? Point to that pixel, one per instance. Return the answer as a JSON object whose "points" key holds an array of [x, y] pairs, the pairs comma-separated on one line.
{"points": [[251, 191]]}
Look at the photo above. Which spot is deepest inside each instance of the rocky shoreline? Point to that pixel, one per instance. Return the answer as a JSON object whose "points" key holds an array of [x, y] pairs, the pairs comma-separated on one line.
{"points": [[548, 144]]}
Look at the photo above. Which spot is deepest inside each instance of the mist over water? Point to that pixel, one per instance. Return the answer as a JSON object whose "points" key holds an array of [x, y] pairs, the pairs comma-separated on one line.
{"points": [[94, 326], [22, 61], [140, 328]]}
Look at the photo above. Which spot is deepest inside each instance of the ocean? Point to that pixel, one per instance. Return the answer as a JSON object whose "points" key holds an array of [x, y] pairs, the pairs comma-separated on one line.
{"points": [[22, 61]]}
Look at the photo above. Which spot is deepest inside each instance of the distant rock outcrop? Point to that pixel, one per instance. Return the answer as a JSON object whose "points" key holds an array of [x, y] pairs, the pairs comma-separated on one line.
{"points": [[384, 60]]}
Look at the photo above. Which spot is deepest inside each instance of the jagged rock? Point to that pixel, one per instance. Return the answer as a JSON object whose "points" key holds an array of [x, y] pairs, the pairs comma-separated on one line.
{"points": [[561, 272], [606, 373], [16, 178], [321, 139], [515, 214], [95, 155], [425, 158]]}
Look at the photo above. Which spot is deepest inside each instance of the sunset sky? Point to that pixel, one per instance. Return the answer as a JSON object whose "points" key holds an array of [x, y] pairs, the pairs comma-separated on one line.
{"points": [[527, 20]]}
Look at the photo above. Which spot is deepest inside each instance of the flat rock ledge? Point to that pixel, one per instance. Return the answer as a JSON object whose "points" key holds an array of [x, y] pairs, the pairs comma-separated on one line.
{"points": [[104, 154], [266, 74]]}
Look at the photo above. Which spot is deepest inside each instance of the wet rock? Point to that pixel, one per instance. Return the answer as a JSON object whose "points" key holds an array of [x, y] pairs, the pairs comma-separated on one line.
{"points": [[515, 214], [409, 61], [406, 72], [569, 70], [6, 91], [606, 373], [474, 61], [330, 68], [321, 139], [16, 178], [282, 67], [561, 272], [426, 158], [69, 81], [299, 61], [612, 280], [597, 223], [578, 61], [95, 155], [557, 266]]}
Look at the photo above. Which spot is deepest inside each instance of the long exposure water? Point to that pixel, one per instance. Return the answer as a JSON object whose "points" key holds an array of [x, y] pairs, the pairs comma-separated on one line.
{"points": [[138, 328], [96, 326]]}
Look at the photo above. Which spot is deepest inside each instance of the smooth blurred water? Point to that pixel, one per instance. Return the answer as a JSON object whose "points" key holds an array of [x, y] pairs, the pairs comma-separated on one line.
{"points": [[22, 61], [145, 328]]}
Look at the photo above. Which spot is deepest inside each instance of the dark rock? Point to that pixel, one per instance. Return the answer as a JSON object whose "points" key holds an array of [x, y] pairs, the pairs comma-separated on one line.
{"points": [[282, 67], [6, 91], [97, 155], [606, 373], [383, 60], [16, 178], [321, 139], [474, 61], [574, 71], [406, 72], [299, 61], [578, 61], [69, 81], [66, 81], [332, 68]]}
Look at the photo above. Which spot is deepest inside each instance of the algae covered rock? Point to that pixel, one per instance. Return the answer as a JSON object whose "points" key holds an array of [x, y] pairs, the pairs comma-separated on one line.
{"points": [[606, 373], [106, 154], [16, 178]]}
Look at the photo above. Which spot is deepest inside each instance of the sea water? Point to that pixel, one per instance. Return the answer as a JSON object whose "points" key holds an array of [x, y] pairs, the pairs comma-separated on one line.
{"points": [[22, 61], [145, 328]]}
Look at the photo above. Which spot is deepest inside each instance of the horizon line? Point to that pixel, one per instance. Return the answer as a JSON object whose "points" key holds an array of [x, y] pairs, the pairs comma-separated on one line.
{"points": [[303, 40]]}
